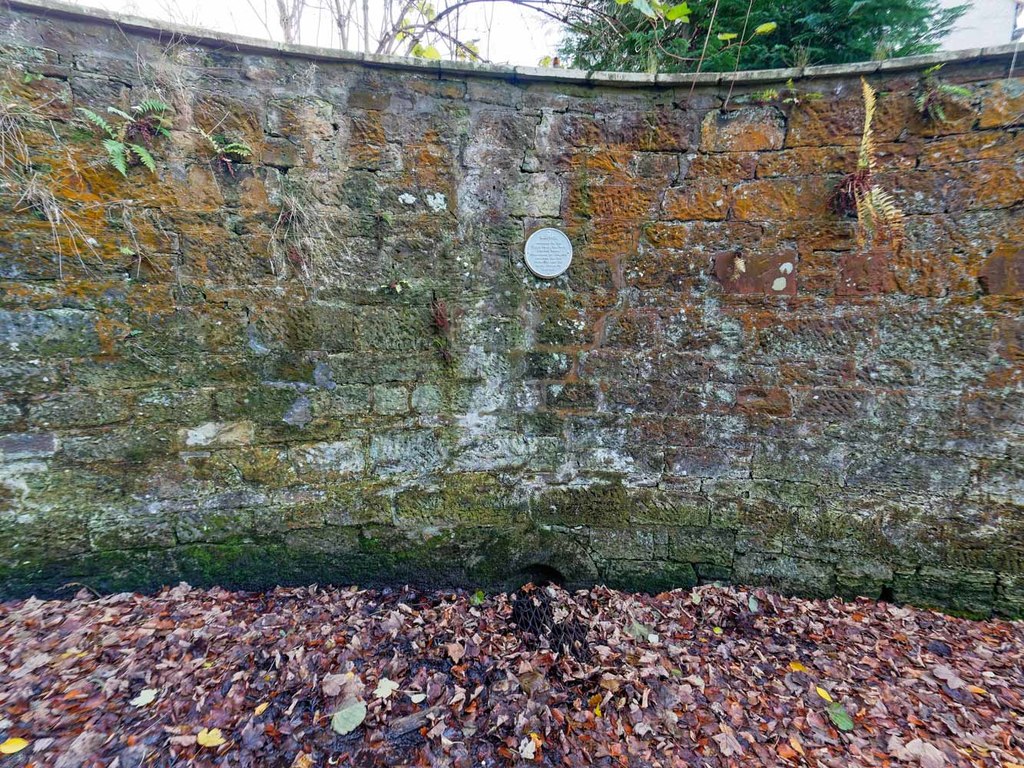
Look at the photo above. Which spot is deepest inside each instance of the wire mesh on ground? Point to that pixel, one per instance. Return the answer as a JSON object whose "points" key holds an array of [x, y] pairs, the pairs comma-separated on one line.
{"points": [[545, 617]]}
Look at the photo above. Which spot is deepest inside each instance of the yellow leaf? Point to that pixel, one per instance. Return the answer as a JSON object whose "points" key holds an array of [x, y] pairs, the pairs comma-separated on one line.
{"points": [[795, 743], [597, 711], [727, 36], [210, 738], [796, 666], [717, 630], [260, 709], [11, 746], [824, 694], [977, 690], [766, 28]]}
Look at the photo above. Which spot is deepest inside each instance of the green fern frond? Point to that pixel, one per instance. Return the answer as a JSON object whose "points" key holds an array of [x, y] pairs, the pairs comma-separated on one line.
{"points": [[120, 113], [150, 106], [237, 148], [96, 120], [143, 154], [117, 153], [955, 91]]}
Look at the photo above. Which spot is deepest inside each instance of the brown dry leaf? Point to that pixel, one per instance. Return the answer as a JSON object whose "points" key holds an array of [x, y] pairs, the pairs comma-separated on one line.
{"points": [[923, 752], [727, 742], [948, 676], [456, 651]]}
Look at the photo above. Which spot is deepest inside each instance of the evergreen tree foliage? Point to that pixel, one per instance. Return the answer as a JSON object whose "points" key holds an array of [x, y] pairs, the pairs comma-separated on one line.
{"points": [[609, 35]]}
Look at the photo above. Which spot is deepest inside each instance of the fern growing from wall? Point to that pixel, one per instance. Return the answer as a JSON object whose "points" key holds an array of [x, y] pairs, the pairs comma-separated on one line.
{"points": [[129, 136], [879, 219]]}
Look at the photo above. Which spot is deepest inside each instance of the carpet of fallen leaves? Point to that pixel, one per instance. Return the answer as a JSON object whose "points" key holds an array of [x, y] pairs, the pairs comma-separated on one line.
{"points": [[326, 677]]}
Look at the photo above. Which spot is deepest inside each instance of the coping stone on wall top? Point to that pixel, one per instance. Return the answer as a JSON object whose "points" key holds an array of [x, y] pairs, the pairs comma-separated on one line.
{"points": [[526, 74]]}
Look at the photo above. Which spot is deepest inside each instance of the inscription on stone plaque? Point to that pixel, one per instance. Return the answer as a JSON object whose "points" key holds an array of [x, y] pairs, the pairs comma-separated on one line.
{"points": [[548, 253]]}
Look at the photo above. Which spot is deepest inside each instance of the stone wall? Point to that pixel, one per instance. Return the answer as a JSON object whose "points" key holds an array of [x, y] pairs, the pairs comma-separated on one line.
{"points": [[237, 375]]}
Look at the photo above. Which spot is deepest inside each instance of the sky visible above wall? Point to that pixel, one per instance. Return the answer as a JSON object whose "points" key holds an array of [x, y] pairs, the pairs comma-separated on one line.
{"points": [[505, 33]]}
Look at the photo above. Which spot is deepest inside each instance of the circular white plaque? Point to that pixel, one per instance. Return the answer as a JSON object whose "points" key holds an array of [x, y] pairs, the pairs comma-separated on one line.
{"points": [[548, 253]]}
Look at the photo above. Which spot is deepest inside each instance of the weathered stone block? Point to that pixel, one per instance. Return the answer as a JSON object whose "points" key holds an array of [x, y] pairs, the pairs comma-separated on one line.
{"points": [[407, 452], [1002, 104], [217, 434], [743, 130], [27, 445], [714, 546], [53, 332], [339, 457], [321, 327]]}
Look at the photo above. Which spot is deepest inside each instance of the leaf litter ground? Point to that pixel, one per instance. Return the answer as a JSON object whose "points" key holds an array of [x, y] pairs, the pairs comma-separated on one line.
{"points": [[309, 677]]}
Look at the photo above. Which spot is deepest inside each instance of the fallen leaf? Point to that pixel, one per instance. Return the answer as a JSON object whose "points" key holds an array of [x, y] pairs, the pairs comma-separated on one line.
{"points": [[796, 666], [146, 696], [349, 717], [727, 742], [610, 683], [417, 698], [455, 651], [12, 746], [718, 630], [840, 717], [210, 738], [333, 685], [385, 688], [824, 694], [303, 760], [753, 604], [261, 708], [948, 676], [926, 754], [527, 748], [794, 742], [639, 631]]}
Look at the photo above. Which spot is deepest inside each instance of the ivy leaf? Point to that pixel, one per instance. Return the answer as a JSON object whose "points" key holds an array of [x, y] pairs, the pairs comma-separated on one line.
{"points": [[427, 52], [840, 717], [679, 12], [645, 8], [477, 598], [146, 696], [385, 688], [639, 631], [766, 29], [349, 717], [727, 36]]}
